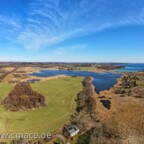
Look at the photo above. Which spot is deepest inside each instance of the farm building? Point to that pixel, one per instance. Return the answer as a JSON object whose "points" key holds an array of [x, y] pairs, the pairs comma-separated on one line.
{"points": [[71, 131]]}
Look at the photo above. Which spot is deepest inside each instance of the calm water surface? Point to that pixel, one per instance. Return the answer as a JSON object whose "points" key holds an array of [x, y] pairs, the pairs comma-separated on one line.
{"points": [[131, 68], [101, 81]]}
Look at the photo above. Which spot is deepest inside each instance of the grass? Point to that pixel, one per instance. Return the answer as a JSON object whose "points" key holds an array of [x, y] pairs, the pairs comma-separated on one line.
{"points": [[60, 97], [85, 68], [4, 89], [1, 74], [8, 77]]}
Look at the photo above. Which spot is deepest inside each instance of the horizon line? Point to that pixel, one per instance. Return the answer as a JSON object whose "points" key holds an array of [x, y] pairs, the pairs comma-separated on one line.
{"points": [[70, 62]]}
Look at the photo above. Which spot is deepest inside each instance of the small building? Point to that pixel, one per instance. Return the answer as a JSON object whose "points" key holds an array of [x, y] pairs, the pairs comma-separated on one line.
{"points": [[71, 131]]}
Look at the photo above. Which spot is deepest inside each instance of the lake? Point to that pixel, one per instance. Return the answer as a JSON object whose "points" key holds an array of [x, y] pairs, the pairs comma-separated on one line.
{"points": [[131, 68], [101, 81]]}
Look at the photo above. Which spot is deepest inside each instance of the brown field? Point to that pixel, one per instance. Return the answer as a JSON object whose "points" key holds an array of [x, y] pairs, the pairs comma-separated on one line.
{"points": [[125, 117]]}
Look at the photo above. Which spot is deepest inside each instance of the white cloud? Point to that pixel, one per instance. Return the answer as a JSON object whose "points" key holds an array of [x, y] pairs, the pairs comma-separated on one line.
{"points": [[67, 50], [52, 21], [9, 27]]}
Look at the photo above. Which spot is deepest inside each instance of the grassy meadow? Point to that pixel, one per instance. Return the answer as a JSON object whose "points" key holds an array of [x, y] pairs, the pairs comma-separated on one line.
{"points": [[60, 96], [85, 68]]}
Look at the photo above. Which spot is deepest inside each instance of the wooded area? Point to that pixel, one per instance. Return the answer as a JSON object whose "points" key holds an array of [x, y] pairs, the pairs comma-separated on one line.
{"points": [[22, 97]]}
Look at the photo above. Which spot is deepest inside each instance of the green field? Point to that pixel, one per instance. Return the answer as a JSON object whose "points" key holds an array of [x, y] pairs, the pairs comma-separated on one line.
{"points": [[1, 74], [85, 68], [60, 97]]}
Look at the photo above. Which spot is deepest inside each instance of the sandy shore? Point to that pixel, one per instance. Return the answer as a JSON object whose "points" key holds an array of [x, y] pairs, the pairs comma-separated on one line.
{"points": [[44, 78]]}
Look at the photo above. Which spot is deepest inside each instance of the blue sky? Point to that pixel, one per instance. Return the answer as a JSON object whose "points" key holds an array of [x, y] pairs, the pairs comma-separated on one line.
{"points": [[72, 30]]}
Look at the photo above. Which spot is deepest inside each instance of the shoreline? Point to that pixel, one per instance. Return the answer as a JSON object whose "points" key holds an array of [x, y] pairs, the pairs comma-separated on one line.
{"points": [[62, 76], [44, 78], [95, 71]]}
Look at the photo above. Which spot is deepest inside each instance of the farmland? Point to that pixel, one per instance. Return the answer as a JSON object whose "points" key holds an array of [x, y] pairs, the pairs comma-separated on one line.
{"points": [[60, 97]]}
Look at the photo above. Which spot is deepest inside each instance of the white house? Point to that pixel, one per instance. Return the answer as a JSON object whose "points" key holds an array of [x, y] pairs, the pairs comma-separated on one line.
{"points": [[72, 130]]}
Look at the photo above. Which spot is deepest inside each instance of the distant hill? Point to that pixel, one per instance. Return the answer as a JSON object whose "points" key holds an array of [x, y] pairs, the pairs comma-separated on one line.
{"points": [[22, 97]]}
